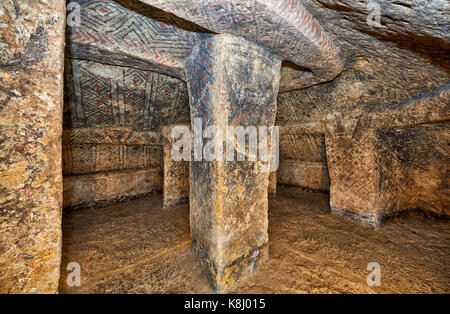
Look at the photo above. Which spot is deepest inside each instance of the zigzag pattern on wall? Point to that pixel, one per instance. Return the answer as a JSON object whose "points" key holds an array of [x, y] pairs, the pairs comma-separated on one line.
{"points": [[109, 96], [413, 167], [94, 158], [134, 29]]}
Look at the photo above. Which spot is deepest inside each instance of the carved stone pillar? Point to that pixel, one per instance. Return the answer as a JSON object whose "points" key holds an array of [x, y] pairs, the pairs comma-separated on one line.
{"points": [[31, 102], [176, 173], [272, 184], [231, 82]]}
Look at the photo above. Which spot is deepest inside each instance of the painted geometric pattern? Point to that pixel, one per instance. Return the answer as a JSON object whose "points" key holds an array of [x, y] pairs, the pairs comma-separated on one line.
{"points": [[413, 167], [280, 25], [352, 171], [303, 147], [112, 136], [93, 158], [96, 96], [111, 96], [133, 26]]}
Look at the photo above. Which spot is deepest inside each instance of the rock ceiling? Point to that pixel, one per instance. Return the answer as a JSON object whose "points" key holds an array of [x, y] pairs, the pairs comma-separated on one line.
{"points": [[405, 56]]}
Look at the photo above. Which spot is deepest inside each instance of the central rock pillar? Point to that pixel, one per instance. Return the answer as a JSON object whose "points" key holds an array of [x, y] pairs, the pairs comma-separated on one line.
{"points": [[232, 82]]}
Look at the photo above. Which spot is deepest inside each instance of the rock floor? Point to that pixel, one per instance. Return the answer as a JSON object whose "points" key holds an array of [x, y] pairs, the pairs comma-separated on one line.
{"points": [[139, 247]]}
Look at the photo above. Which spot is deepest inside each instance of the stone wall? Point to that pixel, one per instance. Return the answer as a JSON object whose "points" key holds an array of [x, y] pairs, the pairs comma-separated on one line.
{"points": [[31, 102], [303, 160], [104, 188], [413, 163], [391, 160], [112, 120]]}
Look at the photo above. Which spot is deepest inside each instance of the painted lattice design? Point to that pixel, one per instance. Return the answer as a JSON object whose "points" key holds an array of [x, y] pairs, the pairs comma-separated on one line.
{"points": [[93, 158], [112, 136], [352, 171], [96, 99], [134, 28], [110, 96], [413, 167], [135, 82]]}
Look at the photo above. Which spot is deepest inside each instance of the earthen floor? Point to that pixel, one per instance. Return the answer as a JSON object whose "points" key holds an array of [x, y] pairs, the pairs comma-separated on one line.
{"points": [[139, 247]]}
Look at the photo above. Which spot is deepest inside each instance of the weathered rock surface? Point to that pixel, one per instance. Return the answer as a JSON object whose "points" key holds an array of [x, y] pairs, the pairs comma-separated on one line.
{"points": [[176, 172], [396, 77], [100, 189], [303, 160], [385, 66], [311, 251], [231, 82], [31, 102], [285, 27], [272, 189]]}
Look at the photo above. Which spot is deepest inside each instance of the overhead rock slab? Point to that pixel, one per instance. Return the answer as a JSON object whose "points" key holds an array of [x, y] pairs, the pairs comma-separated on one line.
{"points": [[283, 26]]}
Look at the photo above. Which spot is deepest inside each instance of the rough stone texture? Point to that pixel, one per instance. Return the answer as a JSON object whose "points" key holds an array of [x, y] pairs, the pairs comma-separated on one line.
{"points": [[176, 173], [110, 187], [418, 26], [303, 159], [132, 34], [384, 66], [376, 170], [31, 101], [231, 82], [272, 189], [413, 168], [308, 175]]}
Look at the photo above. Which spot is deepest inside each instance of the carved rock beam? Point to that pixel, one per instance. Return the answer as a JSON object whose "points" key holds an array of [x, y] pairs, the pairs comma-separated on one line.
{"points": [[107, 34], [283, 26], [354, 163]]}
